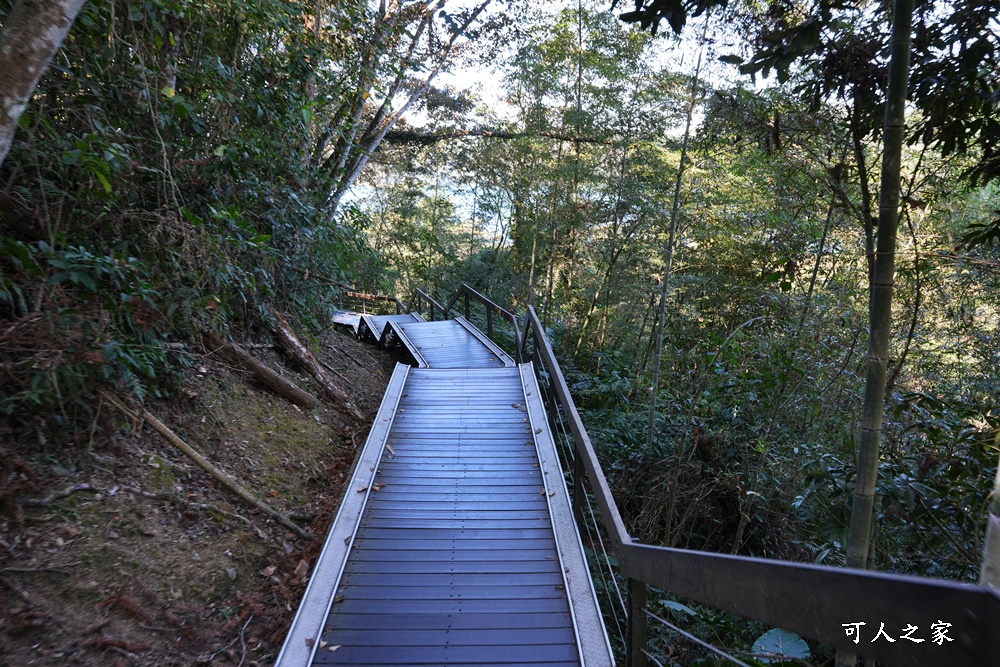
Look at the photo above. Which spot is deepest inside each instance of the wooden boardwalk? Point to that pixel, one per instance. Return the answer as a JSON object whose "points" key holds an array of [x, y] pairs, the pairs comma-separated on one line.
{"points": [[447, 344], [455, 544]]}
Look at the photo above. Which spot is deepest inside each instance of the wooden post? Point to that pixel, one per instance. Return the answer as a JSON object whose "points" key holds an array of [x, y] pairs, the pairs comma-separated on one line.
{"points": [[636, 640], [523, 343]]}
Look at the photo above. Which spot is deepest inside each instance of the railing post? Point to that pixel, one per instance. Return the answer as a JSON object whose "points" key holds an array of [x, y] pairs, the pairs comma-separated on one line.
{"points": [[466, 305], [432, 312], [634, 656]]}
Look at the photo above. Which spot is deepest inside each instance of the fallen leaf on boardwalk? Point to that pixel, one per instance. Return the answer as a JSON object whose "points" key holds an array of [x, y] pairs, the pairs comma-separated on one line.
{"points": [[392, 451], [538, 430], [333, 648], [552, 493], [310, 641], [542, 492], [362, 489], [302, 569], [339, 598], [323, 643], [548, 558], [268, 571]]}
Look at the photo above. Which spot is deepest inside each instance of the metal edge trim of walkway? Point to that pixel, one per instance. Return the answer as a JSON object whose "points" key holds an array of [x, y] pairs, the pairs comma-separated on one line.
{"points": [[378, 336], [591, 634], [508, 362], [307, 626], [407, 343]]}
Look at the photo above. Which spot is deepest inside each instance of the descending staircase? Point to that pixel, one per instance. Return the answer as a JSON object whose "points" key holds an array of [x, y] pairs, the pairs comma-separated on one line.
{"points": [[455, 544]]}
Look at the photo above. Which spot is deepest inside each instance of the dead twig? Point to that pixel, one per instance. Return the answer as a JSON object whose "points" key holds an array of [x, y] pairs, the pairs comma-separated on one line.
{"points": [[334, 371], [48, 500], [14, 586], [243, 642], [59, 569], [174, 498], [209, 467]]}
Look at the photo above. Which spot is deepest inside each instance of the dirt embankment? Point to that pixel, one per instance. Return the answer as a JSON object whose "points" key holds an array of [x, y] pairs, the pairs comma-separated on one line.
{"points": [[149, 560]]}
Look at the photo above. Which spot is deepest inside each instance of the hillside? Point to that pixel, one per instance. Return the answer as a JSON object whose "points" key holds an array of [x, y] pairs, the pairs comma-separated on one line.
{"points": [[154, 563]]}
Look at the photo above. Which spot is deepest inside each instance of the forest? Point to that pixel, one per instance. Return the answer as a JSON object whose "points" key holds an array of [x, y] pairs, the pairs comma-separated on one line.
{"points": [[780, 346]]}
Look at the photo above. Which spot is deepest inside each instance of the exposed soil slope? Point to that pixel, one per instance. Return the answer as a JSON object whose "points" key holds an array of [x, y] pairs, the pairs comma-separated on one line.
{"points": [[155, 563]]}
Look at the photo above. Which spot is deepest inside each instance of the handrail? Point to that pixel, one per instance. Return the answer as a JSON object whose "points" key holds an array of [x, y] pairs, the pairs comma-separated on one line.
{"points": [[468, 292], [614, 525], [818, 602], [419, 296], [377, 297]]}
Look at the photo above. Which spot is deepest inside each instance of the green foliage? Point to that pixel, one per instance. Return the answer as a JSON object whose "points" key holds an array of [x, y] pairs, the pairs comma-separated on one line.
{"points": [[167, 156], [780, 644]]}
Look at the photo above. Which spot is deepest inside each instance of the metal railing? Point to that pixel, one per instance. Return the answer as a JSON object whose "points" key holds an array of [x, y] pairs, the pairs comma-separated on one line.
{"points": [[362, 302], [419, 300], [818, 602], [858, 611], [421, 303]]}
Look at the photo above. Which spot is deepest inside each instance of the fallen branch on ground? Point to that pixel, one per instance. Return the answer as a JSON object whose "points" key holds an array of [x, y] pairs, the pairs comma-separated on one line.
{"points": [[268, 377], [209, 467], [295, 349], [59, 569], [48, 500]]}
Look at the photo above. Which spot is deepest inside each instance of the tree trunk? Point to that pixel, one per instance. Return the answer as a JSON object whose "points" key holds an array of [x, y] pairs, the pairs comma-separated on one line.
{"points": [[668, 251], [267, 377], [881, 296], [295, 349], [815, 271], [31, 34]]}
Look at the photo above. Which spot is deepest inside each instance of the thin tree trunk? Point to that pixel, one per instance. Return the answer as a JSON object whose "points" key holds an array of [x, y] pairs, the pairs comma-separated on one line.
{"points": [[867, 223], [381, 124], [881, 296], [668, 252], [815, 272], [915, 316], [31, 34]]}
